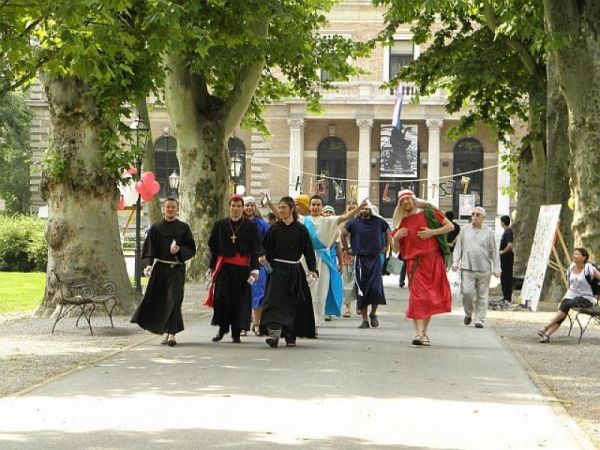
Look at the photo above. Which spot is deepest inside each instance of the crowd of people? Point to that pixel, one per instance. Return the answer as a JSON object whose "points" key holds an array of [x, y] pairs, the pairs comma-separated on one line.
{"points": [[283, 277]]}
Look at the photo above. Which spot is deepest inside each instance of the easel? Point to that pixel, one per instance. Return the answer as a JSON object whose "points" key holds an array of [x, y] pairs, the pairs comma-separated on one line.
{"points": [[557, 264]]}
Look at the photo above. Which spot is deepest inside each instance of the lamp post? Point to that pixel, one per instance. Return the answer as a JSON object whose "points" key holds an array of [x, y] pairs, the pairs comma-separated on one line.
{"points": [[174, 181], [138, 126]]}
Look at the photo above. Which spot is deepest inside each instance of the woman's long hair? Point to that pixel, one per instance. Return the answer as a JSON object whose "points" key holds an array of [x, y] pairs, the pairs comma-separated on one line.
{"points": [[584, 253], [290, 202]]}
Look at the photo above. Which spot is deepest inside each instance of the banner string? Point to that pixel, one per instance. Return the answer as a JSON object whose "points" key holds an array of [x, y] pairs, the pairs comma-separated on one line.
{"points": [[388, 180]]}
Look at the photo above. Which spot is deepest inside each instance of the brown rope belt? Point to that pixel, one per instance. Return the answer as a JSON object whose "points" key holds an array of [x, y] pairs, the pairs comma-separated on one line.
{"points": [[417, 264]]}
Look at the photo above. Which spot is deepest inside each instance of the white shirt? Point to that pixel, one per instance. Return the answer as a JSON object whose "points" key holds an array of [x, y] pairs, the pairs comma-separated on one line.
{"points": [[578, 284]]}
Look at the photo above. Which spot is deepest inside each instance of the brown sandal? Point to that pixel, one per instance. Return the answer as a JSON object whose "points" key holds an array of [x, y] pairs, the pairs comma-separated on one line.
{"points": [[545, 339]]}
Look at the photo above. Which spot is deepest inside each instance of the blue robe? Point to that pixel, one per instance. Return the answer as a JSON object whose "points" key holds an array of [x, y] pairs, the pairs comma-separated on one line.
{"points": [[258, 288]]}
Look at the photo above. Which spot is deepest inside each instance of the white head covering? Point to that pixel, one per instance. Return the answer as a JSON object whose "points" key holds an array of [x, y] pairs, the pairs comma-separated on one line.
{"points": [[329, 208], [249, 199], [399, 212]]}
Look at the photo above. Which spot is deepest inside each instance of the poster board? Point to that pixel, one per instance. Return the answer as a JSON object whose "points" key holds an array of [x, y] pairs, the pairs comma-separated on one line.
{"points": [[543, 242], [399, 152], [466, 203]]}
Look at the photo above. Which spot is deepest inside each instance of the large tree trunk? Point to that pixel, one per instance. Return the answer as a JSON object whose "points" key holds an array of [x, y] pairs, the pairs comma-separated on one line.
{"points": [[82, 229], [557, 181], [579, 75], [531, 181]]}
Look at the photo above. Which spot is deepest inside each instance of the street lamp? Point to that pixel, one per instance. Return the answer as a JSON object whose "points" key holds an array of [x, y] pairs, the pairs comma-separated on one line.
{"points": [[236, 167], [166, 134], [174, 181], [139, 126]]}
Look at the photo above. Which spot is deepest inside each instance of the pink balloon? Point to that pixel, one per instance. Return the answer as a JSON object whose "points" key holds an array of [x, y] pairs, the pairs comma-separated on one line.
{"points": [[140, 187], [121, 205], [148, 177], [154, 187], [147, 197], [132, 171]]}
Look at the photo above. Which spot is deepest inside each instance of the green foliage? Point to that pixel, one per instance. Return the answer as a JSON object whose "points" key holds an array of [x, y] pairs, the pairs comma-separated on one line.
{"points": [[15, 152], [23, 247], [21, 291]]}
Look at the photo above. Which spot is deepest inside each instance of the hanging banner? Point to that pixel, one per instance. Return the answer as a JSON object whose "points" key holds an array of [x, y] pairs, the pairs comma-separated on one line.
{"points": [[399, 152], [339, 190], [386, 193]]}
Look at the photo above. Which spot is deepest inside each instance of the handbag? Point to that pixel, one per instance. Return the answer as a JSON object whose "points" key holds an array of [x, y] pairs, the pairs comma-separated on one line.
{"points": [[394, 266]]}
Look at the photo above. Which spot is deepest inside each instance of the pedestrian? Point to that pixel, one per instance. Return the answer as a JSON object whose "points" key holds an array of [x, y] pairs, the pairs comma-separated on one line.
{"points": [[234, 248], [476, 255], [258, 288], [334, 250], [420, 236], [347, 264], [370, 237], [507, 259], [287, 296], [578, 295], [327, 290], [168, 244]]}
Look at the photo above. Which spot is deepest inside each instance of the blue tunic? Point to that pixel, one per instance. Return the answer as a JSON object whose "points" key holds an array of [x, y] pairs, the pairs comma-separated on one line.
{"points": [[258, 288]]}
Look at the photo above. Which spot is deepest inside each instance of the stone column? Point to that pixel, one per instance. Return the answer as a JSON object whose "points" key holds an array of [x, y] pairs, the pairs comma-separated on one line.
{"points": [[296, 153], [433, 156], [503, 204], [364, 157]]}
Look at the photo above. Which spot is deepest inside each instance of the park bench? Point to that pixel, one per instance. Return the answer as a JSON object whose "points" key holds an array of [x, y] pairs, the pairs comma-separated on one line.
{"points": [[592, 313], [75, 290]]}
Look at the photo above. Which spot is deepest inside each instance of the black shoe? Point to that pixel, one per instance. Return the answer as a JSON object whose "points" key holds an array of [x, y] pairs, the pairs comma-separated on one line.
{"points": [[236, 340], [272, 341], [165, 341], [290, 343], [171, 343], [218, 337], [402, 285], [478, 325], [467, 320], [364, 324], [374, 320]]}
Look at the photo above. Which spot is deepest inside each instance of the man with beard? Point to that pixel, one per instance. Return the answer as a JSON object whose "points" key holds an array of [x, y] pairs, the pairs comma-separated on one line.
{"points": [[287, 296], [370, 236], [168, 244], [234, 248], [420, 237], [258, 289]]}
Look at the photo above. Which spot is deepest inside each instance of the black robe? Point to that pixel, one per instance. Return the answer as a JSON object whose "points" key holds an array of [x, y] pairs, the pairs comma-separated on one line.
{"points": [[160, 310], [232, 301], [288, 304]]}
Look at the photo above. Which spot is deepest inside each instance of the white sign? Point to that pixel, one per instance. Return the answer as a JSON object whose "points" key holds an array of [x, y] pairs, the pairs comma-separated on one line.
{"points": [[543, 240], [466, 203]]}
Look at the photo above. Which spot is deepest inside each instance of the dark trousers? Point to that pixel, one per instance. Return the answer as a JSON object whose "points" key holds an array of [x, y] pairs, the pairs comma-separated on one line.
{"points": [[235, 331], [402, 273], [506, 279]]}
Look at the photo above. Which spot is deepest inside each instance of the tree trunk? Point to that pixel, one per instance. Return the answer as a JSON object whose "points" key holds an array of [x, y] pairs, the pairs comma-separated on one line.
{"points": [[532, 180], [82, 229], [557, 181], [203, 159], [579, 75]]}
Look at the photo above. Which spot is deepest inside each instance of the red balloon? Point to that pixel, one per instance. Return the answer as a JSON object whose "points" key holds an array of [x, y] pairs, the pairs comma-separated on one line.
{"points": [[140, 187], [148, 177], [147, 197], [154, 187], [132, 171], [121, 205]]}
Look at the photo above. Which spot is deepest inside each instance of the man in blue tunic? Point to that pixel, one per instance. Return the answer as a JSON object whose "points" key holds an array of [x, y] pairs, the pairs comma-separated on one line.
{"points": [[369, 237], [258, 288]]}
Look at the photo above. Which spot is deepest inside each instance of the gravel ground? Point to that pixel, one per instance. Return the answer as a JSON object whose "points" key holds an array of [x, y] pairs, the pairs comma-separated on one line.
{"points": [[30, 355]]}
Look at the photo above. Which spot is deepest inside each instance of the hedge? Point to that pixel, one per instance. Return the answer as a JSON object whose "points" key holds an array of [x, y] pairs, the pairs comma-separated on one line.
{"points": [[23, 247]]}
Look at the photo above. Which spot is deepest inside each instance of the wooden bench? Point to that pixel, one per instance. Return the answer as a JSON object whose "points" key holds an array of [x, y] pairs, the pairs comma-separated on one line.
{"points": [[593, 313], [75, 290]]}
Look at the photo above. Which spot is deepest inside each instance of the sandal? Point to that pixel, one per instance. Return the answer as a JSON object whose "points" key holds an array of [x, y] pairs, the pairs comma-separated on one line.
{"points": [[418, 340], [541, 333], [425, 341], [545, 339], [256, 330]]}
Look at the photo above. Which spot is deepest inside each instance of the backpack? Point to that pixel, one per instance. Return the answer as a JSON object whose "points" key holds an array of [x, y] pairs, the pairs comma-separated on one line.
{"points": [[593, 282]]}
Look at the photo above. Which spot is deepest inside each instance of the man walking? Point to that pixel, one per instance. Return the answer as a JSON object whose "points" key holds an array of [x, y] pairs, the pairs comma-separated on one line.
{"points": [[370, 236], [258, 288], [476, 255], [168, 244], [420, 236], [287, 295], [234, 248], [507, 259]]}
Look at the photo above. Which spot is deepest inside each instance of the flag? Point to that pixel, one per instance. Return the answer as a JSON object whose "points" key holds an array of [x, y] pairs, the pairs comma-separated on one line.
{"points": [[396, 120]]}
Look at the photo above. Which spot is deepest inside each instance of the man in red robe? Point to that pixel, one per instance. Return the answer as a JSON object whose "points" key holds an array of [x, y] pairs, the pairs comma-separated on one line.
{"points": [[415, 238]]}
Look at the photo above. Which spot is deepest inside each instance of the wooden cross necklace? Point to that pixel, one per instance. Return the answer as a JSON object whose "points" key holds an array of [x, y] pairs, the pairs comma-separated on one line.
{"points": [[233, 236]]}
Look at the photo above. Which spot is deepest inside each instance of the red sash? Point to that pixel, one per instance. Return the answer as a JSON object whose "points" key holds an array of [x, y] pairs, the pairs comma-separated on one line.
{"points": [[237, 260]]}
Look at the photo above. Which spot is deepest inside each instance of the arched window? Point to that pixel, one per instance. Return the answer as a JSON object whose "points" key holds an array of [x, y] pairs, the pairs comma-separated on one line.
{"points": [[237, 156], [165, 161], [468, 157], [331, 162]]}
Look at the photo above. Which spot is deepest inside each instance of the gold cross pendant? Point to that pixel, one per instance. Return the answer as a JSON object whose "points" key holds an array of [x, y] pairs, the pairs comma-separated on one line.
{"points": [[233, 238]]}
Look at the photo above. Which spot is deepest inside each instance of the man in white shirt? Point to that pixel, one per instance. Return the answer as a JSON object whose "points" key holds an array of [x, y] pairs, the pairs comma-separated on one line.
{"points": [[476, 255]]}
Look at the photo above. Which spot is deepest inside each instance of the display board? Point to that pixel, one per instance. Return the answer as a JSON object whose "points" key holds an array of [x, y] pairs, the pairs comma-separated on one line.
{"points": [[543, 241]]}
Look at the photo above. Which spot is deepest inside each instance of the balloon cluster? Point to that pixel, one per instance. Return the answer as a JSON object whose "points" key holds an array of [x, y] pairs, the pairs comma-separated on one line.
{"points": [[147, 186]]}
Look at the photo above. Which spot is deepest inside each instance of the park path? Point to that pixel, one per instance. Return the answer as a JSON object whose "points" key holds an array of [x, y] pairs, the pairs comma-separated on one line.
{"points": [[349, 389]]}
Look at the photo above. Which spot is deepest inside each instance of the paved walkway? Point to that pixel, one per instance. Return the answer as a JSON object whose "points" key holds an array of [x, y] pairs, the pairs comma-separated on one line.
{"points": [[349, 389]]}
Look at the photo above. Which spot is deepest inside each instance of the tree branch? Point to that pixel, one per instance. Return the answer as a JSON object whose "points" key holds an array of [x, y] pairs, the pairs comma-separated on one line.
{"points": [[247, 81]]}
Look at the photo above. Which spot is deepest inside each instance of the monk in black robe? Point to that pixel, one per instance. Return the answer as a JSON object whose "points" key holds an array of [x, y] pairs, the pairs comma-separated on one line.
{"points": [[234, 246], [287, 307], [167, 246]]}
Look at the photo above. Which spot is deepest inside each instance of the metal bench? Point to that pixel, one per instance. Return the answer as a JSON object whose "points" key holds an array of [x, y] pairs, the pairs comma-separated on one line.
{"points": [[77, 291], [593, 313]]}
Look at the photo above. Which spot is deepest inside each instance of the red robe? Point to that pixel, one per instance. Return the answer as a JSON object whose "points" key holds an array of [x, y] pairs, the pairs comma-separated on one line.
{"points": [[429, 290]]}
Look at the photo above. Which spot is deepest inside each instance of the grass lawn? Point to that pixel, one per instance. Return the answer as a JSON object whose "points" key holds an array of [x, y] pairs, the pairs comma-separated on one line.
{"points": [[21, 291]]}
